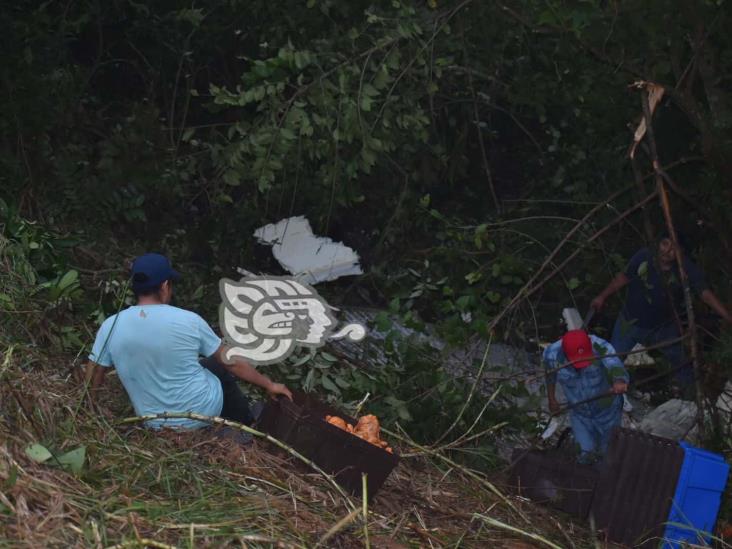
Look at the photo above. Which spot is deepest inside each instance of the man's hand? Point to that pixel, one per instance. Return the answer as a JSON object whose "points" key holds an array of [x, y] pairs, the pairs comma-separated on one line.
{"points": [[598, 303], [554, 406], [279, 389], [619, 387]]}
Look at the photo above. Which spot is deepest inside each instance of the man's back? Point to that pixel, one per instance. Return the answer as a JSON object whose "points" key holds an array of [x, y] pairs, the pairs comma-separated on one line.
{"points": [[155, 349]]}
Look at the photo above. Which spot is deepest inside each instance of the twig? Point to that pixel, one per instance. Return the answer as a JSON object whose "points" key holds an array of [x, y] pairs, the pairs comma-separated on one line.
{"points": [[338, 526], [476, 114], [498, 524], [142, 542], [365, 508], [478, 378], [527, 290], [520, 294]]}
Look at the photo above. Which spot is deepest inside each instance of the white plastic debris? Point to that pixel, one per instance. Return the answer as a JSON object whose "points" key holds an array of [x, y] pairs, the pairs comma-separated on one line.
{"points": [[627, 406], [639, 357], [310, 258], [554, 425], [572, 318], [673, 419], [724, 405]]}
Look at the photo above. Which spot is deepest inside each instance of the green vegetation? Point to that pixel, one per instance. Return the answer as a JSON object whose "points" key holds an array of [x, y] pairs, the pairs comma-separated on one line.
{"points": [[458, 146]]}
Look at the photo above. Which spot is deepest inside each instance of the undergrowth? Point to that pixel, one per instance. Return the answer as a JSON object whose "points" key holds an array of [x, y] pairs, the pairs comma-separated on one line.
{"points": [[142, 488]]}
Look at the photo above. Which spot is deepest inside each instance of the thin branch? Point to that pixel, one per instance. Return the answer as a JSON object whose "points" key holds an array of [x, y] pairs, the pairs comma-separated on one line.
{"points": [[688, 302]]}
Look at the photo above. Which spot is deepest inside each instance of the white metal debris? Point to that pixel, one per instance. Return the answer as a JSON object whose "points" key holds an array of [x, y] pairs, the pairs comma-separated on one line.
{"points": [[310, 258]]}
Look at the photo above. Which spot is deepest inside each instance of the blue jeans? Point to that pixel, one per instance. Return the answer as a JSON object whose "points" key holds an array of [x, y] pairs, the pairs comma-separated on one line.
{"points": [[592, 434], [627, 333], [236, 404]]}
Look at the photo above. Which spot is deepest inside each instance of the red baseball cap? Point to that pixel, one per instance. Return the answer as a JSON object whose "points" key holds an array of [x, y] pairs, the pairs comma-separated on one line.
{"points": [[577, 347]]}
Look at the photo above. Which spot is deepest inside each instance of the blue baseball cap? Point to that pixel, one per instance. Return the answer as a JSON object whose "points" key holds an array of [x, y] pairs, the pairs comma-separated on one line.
{"points": [[151, 270]]}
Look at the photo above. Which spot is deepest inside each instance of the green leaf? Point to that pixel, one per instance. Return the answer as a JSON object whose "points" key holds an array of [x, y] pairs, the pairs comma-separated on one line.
{"points": [[473, 277], [573, 283], [493, 297], [328, 385], [369, 90], [309, 382], [38, 452], [231, 177], [302, 360], [329, 357], [74, 459], [68, 280], [341, 382], [382, 322]]}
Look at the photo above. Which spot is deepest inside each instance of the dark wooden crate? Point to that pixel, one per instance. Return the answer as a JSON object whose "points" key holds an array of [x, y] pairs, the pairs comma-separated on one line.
{"points": [[301, 425]]}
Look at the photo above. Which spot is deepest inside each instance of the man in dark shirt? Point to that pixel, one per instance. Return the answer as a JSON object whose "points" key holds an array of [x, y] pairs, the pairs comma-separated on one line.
{"points": [[654, 306]]}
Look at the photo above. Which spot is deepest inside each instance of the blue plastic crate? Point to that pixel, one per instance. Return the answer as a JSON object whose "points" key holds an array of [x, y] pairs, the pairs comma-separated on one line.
{"points": [[699, 489]]}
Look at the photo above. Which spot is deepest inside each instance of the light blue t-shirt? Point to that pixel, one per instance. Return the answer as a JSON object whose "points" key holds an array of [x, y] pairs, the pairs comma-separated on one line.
{"points": [[155, 349]]}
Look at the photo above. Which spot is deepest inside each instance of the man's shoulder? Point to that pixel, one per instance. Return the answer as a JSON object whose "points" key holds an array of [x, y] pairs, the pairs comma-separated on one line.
{"points": [[599, 341], [601, 344], [643, 254], [185, 316], [182, 313], [109, 322]]}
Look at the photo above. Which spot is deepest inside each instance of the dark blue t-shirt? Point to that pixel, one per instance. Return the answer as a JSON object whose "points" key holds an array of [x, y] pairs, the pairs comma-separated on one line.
{"points": [[650, 296]]}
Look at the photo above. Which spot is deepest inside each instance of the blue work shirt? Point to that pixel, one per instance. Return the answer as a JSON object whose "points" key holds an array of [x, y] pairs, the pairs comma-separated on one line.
{"points": [[155, 349], [650, 297], [583, 383]]}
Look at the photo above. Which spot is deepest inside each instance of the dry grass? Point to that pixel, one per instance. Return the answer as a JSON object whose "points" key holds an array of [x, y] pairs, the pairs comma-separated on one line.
{"points": [[145, 489]]}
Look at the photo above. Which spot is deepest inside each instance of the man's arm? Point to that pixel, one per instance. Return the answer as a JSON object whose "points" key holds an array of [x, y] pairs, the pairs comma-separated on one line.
{"points": [[617, 283], [552, 397], [246, 372], [711, 299], [616, 369]]}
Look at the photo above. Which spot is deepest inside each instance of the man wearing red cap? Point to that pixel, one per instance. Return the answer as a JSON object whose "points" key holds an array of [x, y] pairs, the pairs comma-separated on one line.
{"points": [[590, 372]]}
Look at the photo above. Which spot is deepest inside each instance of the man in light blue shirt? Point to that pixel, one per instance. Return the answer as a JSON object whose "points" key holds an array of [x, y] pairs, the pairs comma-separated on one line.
{"points": [[155, 349], [592, 380]]}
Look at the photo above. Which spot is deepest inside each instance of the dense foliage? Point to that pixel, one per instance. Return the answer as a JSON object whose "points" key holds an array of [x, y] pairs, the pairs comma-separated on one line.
{"points": [[453, 144]]}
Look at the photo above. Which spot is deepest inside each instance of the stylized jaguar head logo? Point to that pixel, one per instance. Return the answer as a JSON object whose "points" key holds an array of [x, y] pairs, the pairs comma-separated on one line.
{"points": [[265, 318]]}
